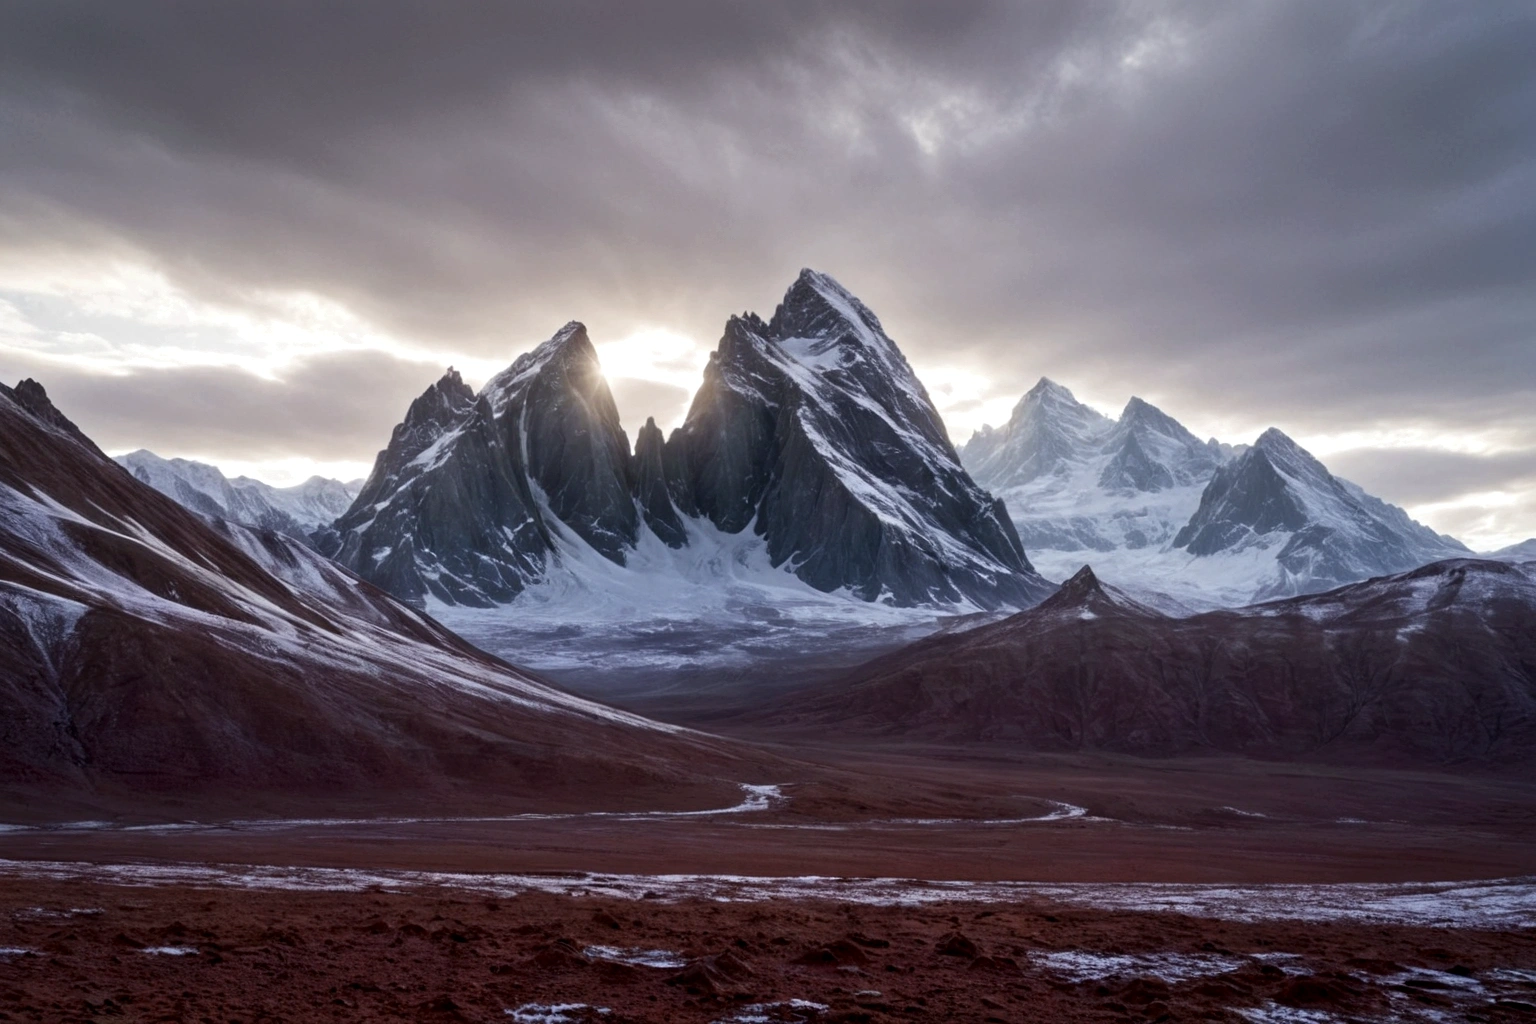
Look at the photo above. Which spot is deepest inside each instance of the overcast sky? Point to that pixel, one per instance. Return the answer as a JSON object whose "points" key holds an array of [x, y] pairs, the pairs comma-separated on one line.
{"points": [[252, 232]]}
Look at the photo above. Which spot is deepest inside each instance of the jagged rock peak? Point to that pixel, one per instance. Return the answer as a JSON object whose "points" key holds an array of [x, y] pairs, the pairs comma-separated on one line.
{"points": [[33, 397], [1140, 411], [447, 398], [1045, 388], [569, 347], [1088, 596], [475, 495], [814, 430], [651, 489], [815, 304], [1082, 584], [1288, 457]]}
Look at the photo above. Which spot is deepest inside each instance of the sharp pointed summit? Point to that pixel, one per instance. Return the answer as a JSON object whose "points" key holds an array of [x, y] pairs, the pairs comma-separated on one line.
{"points": [[813, 430], [1049, 433], [471, 500], [810, 433]]}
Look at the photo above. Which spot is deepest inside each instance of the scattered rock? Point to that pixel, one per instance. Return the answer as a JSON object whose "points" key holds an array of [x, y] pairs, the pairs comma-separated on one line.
{"points": [[869, 942], [722, 974], [956, 944], [562, 954], [994, 963], [840, 952]]}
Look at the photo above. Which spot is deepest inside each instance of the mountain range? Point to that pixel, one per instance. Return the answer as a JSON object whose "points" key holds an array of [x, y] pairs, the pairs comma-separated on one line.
{"points": [[295, 511], [811, 450], [810, 434], [149, 654], [1161, 512]]}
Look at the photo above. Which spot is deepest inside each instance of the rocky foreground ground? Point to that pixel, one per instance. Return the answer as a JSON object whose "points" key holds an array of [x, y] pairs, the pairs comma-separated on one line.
{"points": [[82, 950]]}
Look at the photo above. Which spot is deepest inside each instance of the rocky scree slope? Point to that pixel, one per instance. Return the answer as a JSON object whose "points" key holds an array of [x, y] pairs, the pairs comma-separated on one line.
{"points": [[1435, 666], [810, 431], [295, 511], [148, 653]]}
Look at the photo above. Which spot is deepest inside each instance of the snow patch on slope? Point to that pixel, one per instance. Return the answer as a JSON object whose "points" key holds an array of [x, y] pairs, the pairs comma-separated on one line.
{"points": [[717, 600]]}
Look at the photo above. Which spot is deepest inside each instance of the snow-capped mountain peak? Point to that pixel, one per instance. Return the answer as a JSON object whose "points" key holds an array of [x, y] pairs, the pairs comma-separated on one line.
{"points": [[1151, 451], [1049, 433], [813, 429], [1166, 513], [296, 511], [1324, 531], [810, 431]]}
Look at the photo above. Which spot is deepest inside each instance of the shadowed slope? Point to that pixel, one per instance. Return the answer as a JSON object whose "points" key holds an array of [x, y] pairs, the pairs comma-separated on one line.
{"points": [[1437, 665], [146, 652]]}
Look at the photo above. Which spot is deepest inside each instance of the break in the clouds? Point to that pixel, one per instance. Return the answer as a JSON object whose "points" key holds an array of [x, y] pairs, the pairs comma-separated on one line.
{"points": [[250, 231]]}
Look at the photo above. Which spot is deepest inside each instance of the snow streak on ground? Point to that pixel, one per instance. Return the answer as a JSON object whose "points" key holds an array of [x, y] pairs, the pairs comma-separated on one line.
{"points": [[660, 958], [559, 1013], [1084, 965], [1058, 812], [1502, 904], [790, 1011]]}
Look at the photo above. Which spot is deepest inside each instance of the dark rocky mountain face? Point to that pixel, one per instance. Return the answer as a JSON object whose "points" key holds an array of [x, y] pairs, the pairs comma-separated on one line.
{"points": [[1337, 533], [468, 499], [1436, 666], [651, 489], [813, 430], [146, 652]]}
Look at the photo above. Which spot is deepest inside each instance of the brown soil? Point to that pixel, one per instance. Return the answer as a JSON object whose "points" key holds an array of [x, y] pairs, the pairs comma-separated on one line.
{"points": [[1190, 820], [442, 955]]}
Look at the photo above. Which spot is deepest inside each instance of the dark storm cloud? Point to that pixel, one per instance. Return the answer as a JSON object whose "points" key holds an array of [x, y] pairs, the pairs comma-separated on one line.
{"points": [[1319, 215]]}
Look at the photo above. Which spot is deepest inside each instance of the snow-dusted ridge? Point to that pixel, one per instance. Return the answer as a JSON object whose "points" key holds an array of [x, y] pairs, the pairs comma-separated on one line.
{"points": [[269, 631]]}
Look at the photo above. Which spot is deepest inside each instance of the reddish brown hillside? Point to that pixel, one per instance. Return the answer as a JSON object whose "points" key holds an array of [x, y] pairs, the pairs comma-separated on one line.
{"points": [[1433, 666], [148, 654]]}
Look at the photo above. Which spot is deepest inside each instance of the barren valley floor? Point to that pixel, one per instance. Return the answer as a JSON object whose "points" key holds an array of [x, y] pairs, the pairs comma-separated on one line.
{"points": [[1072, 888]]}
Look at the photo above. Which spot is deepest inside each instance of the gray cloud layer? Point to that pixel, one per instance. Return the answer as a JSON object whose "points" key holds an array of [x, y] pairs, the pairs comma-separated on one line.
{"points": [[1320, 215]]}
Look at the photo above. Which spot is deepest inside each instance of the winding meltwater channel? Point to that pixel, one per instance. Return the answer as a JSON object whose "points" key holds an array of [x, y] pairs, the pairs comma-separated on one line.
{"points": [[755, 798]]}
